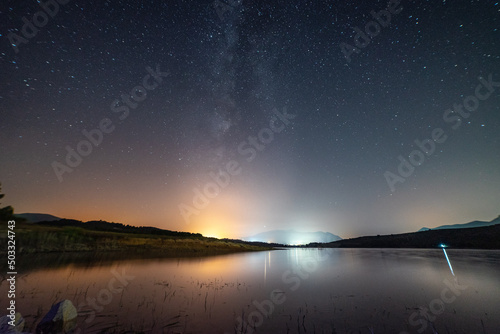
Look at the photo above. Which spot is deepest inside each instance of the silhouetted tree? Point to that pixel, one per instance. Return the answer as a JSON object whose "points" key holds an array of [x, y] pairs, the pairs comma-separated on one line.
{"points": [[7, 212]]}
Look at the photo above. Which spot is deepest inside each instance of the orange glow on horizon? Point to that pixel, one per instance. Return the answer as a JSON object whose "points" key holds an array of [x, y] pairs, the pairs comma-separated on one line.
{"points": [[213, 223]]}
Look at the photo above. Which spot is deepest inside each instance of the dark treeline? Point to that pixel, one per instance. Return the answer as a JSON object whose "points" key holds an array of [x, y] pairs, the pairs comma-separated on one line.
{"points": [[473, 238], [7, 212], [100, 225]]}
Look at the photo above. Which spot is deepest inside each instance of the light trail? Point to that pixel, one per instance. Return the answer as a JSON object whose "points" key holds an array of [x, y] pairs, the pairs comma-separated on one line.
{"points": [[447, 259]]}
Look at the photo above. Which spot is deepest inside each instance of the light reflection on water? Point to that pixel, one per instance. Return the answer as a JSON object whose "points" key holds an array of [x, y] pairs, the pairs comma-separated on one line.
{"points": [[342, 290]]}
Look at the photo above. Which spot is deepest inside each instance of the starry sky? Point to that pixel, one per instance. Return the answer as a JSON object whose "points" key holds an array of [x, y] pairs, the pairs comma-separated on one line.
{"points": [[231, 118]]}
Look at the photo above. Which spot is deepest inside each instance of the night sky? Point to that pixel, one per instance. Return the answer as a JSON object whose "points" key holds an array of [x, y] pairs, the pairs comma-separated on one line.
{"points": [[303, 111]]}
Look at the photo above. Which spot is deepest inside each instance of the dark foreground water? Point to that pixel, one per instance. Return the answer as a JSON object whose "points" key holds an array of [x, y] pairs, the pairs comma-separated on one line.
{"points": [[283, 291]]}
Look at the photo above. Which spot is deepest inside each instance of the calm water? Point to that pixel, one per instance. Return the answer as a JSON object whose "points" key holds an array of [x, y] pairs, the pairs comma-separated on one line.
{"points": [[284, 291]]}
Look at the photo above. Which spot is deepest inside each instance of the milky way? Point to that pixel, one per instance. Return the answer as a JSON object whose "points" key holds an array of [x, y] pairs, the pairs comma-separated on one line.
{"points": [[373, 89]]}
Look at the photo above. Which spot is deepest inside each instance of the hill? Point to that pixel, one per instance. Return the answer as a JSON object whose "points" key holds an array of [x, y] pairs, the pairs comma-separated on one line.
{"points": [[67, 235], [36, 217], [292, 237], [487, 237], [104, 226], [476, 223]]}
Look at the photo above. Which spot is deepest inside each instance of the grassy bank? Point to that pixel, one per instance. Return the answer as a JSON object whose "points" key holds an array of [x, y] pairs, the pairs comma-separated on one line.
{"points": [[40, 238]]}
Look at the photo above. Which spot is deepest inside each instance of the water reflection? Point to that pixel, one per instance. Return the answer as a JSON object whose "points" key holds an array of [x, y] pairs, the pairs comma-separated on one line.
{"points": [[293, 290], [447, 259]]}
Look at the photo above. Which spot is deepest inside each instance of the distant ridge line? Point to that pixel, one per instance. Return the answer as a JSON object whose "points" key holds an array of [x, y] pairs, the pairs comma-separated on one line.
{"points": [[472, 224]]}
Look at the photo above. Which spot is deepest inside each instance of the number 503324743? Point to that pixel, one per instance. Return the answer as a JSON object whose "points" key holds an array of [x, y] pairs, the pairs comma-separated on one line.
{"points": [[11, 248]]}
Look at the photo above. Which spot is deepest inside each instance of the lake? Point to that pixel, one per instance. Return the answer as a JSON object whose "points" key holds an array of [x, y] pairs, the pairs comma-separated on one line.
{"points": [[281, 291]]}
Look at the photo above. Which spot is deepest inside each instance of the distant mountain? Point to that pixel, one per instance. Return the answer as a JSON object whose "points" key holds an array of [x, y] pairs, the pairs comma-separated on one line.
{"points": [[487, 237], [475, 223], [37, 217], [292, 237]]}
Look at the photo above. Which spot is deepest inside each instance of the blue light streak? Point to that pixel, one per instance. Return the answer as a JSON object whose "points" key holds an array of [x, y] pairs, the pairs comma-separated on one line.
{"points": [[447, 259]]}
